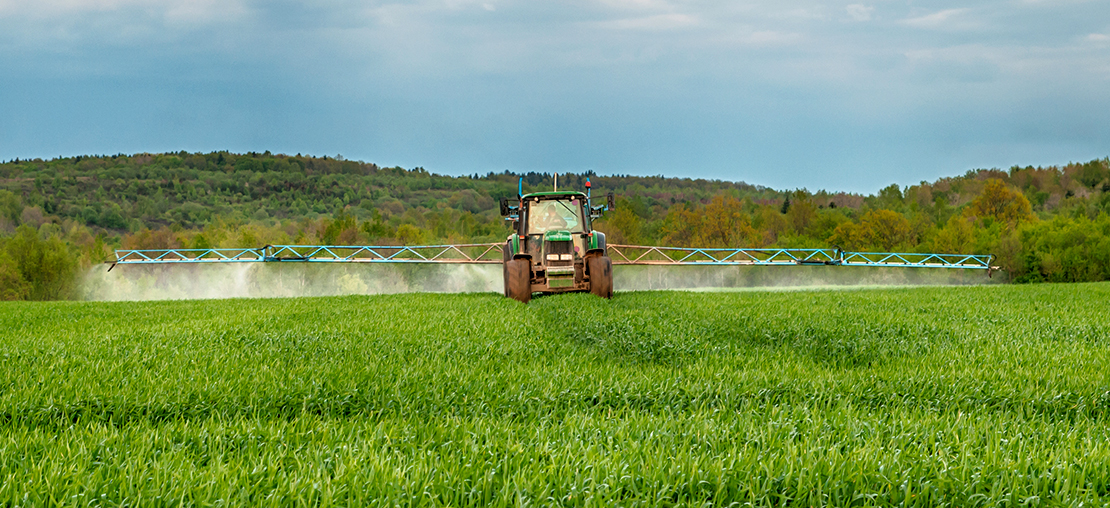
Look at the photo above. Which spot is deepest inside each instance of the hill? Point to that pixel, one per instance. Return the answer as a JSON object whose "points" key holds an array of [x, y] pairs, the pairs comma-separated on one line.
{"points": [[1044, 223]]}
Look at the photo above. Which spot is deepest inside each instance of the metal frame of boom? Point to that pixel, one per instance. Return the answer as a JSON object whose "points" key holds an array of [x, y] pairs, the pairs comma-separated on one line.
{"points": [[492, 253], [645, 255], [459, 253]]}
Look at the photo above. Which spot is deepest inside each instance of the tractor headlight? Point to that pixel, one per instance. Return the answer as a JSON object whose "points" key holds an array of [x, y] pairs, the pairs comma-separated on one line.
{"points": [[552, 257], [566, 257]]}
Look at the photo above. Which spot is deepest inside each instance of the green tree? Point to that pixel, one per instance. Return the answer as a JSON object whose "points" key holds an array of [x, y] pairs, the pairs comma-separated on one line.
{"points": [[409, 234], [877, 229], [886, 228], [681, 226], [848, 236], [112, 218], [771, 224], [955, 237], [12, 284], [622, 226], [724, 224], [340, 231], [1001, 203], [802, 213], [377, 228], [47, 265], [1067, 250], [1092, 174], [10, 206], [890, 197], [826, 222]]}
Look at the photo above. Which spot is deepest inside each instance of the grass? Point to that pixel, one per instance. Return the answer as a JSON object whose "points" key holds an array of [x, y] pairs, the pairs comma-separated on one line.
{"points": [[964, 396]]}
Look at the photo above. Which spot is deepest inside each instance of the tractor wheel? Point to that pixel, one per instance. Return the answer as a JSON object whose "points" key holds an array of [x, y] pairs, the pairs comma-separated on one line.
{"points": [[601, 276], [518, 280]]}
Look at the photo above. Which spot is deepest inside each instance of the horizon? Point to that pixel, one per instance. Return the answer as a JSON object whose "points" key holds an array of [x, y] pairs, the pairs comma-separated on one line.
{"points": [[487, 174]]}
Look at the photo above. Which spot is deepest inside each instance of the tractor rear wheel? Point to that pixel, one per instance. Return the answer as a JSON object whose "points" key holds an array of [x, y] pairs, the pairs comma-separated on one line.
{"points": [[601, 276], [518, 280]]}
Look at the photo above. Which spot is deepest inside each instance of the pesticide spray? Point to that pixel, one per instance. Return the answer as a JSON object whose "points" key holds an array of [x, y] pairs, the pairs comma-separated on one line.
{"points": [[728, 278], [279, 280]]}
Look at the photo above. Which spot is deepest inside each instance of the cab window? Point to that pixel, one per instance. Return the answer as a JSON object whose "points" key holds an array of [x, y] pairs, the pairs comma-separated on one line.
{"points": [[556, 215]]}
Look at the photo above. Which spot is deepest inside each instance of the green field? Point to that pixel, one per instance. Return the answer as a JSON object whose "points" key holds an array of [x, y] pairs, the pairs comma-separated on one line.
{"points": [[966, 396]]}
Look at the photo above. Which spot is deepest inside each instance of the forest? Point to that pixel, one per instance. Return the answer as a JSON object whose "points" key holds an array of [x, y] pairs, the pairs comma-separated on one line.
{"points": [[58, 217]]}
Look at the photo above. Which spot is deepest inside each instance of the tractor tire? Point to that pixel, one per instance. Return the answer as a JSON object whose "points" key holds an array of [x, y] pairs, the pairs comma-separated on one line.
{"points": [[518, 280], [601, 276]]}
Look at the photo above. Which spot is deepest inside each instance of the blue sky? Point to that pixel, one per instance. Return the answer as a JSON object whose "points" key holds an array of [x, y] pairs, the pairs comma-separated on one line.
{"points": [[842, 96]]}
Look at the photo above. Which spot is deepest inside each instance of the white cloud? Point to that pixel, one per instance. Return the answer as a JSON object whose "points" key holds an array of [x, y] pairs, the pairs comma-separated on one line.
{"points": [[171, 11], [1098, 38], [941, 19], [457, 5], [799, 14], [204, 11], [654, 5], [860, 12], [190, 9], [657, 22]]}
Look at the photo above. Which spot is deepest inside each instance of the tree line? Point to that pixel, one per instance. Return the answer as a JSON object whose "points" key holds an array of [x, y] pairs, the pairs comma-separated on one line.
{"points": [[59, 216]]}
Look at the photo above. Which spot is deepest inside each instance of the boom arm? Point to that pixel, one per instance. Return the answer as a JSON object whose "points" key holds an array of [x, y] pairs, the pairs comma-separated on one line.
{"points": [[491, 253]]}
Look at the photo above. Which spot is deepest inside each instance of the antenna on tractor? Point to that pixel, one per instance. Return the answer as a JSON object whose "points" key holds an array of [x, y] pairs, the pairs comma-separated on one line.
{"points": [[587, 188]]}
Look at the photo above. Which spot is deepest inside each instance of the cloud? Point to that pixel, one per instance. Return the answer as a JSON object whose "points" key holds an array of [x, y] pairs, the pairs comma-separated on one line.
{"points": [[177, 10], [653, 23], [811, 13], [617, 85], [941, 19], [78, 24], [655, 5], [860, 12]]}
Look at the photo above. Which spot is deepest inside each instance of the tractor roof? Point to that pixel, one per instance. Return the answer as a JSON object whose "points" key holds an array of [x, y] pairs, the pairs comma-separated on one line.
{"points": [[553, 194]]}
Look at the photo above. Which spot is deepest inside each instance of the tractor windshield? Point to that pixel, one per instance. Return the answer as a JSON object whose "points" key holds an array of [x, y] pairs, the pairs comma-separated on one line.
{"points": [[556, 215]]}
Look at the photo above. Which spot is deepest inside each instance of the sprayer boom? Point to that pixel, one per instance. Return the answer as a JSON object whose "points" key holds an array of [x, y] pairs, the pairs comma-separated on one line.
{"points": [[643, 255], [460, 253], [493, 253]]}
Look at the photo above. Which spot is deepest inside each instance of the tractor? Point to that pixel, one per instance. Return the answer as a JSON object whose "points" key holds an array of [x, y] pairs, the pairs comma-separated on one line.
{"points": [[553, 247]]}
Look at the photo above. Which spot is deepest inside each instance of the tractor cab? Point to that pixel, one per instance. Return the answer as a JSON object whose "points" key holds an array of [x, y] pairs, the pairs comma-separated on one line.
{"points": [[554, 247], [555, 229], [555, 213]]}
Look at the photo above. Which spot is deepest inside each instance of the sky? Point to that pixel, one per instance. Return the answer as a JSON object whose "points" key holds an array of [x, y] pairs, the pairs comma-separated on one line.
{"points": [[786, 94]]}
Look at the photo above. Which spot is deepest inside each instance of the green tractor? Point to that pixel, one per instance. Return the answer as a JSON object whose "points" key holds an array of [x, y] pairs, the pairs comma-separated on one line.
{"points": [[553, 248]]}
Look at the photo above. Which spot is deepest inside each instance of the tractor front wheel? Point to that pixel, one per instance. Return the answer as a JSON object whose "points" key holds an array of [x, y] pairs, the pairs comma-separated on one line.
{"points": [[601, 276], [518, 280]]}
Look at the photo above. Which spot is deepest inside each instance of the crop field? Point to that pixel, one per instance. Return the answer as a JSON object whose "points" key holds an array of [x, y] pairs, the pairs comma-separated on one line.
{"points": [[962, 396]]}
